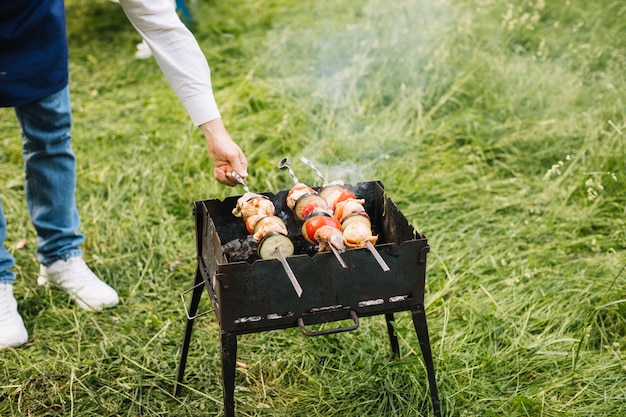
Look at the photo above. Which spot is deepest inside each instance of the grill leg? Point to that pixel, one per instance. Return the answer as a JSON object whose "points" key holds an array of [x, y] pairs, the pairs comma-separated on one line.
{"points": [[421, 328], [395, 347], [193, 308], [229, 359]]}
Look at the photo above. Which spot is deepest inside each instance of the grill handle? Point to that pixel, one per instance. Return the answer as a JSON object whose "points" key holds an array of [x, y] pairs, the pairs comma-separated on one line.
{"points": [[182, 297], [354, 326]]}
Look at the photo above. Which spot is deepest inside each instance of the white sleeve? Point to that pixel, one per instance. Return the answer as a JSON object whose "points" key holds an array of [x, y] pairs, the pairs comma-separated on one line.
{"points": [[178, 54]]}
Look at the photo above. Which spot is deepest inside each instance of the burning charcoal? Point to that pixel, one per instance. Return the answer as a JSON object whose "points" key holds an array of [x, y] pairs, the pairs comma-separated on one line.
{"points": [[239, 249]]}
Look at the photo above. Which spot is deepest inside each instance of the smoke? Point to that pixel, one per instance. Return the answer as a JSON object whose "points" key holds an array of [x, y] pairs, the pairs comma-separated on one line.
{"points": [[350, 78]]}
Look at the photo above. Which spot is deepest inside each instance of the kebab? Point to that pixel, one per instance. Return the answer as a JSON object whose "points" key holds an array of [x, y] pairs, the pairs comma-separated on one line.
{"points": [[350, 213], [267, 229], [318, 225], [332, 192], [355, 223]]}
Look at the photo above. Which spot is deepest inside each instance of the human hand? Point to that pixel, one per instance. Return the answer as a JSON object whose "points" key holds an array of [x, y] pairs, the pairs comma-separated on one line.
{"points": [[225, 153]]}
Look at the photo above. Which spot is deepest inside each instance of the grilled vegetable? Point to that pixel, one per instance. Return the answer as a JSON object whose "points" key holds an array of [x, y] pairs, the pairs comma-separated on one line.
{"points": [[308, 204], [324, 231], [296, 192], [257, 212], [273, 241], [334, 193], [356, 218], [347, 207]]}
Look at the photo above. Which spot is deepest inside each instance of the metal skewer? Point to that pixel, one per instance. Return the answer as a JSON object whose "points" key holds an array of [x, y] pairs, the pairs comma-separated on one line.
{"points": [[284, 164], [369, 245], [377, 256], [310, 165], [279, 255], [338, 256], [240, 180], [289, 272]]}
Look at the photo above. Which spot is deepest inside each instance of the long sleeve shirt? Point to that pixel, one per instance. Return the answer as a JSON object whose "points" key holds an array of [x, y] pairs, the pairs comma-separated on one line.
{"points": [[178, 54]]}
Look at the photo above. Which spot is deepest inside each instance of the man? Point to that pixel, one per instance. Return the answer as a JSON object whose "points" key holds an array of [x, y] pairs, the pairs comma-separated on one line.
{"points": [[34, 81]]}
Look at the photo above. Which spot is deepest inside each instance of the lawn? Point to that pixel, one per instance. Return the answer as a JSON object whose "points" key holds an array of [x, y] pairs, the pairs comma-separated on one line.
{"points": [[496, 127]]}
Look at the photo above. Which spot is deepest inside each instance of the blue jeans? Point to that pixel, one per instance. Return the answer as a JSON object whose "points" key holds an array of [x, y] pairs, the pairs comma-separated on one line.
{"points": [[50, 169]]}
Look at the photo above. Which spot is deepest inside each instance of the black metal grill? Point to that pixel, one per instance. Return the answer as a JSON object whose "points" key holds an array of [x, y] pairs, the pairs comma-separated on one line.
{"points": [[255, 295]]}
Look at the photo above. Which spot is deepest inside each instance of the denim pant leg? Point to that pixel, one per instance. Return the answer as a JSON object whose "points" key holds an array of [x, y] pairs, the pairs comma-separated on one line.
{"points": [[6, 260], [50, 169]]}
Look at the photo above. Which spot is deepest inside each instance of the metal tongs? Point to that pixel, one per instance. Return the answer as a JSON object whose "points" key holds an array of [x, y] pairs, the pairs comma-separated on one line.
{"points": [[285, 164], [368, 244], [279, 255]]}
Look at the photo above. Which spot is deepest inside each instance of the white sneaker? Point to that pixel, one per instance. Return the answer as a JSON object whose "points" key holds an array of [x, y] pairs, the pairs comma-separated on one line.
{"points": [[12, 330], [74, 277]]}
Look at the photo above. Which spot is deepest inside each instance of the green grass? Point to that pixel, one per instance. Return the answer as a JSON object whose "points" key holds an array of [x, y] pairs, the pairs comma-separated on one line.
{"points": [[497, 128]]}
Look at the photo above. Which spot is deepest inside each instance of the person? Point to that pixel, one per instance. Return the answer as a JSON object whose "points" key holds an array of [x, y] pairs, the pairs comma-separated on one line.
{"points": [[34, 82]]}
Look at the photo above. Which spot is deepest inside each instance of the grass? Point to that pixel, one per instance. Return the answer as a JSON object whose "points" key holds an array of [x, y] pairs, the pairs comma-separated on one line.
{"points": [[497, 128]]}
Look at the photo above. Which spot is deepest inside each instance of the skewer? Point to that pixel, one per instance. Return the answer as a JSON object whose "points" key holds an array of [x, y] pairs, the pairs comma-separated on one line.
{"points": [[240, 180], [279, 255], [317, 171], [284, 164], [338, 256], [289, 272], [377, 256], [371, 247]]}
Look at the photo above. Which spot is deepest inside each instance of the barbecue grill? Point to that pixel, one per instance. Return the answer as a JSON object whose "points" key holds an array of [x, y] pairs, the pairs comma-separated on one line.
{"points": [[255, 295]]}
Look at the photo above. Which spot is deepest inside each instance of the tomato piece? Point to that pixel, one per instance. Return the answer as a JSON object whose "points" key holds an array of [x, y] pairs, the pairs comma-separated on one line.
{"points": [[309, 208], [345, 194], [248, 225], [311, 225], [306, 204]]}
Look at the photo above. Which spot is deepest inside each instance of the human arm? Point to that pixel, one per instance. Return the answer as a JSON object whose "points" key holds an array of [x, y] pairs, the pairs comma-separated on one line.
{"points": [[180, 58]]}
